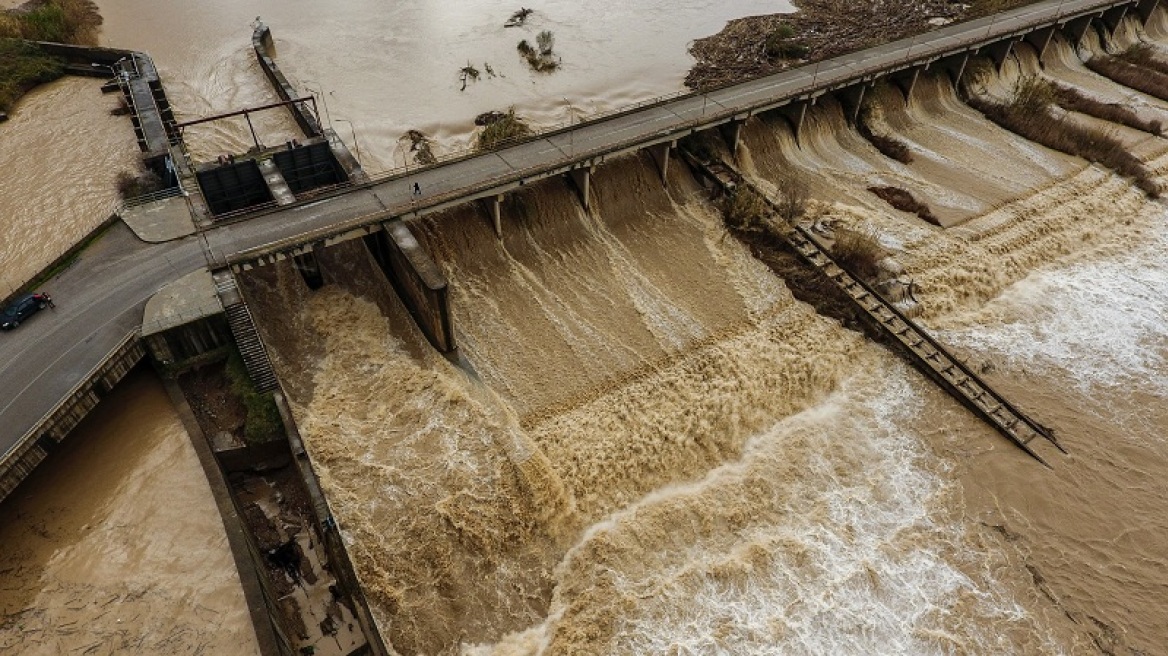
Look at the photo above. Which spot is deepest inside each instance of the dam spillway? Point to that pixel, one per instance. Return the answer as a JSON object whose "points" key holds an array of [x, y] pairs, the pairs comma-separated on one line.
{"points": [[658, 445]]}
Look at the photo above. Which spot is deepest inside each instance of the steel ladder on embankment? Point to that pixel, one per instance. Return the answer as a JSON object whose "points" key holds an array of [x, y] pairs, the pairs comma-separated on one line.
{"points": [[924, 351], [247, 338]]}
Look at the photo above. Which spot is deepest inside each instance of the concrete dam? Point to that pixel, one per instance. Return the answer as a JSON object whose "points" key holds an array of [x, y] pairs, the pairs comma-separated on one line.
{"points": [[557, 404]]}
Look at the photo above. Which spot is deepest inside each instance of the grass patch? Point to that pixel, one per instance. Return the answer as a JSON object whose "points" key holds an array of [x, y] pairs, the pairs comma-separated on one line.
{"points": [[263, 417], [502, 130], [889, 146], [22, 67], [1030, 115], [1136, 76], [859, 252], [1144, 55], [60, 21], [903, 200]]}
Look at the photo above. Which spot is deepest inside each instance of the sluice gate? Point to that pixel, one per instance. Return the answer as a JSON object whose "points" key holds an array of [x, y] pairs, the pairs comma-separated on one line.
{"points": [[925, 352]]}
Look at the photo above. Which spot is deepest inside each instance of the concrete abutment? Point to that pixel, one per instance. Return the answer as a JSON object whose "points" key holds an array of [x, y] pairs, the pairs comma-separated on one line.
{"points": [[418, 281]]}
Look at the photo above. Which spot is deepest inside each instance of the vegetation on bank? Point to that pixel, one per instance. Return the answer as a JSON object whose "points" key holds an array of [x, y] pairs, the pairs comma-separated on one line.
{"points": [[744, 209], [1030, 114], [1142, 54], [60, 21], [501, 128], [859, 251], [23, 65], [263, 417], [1074, 100], [1139, 71]]}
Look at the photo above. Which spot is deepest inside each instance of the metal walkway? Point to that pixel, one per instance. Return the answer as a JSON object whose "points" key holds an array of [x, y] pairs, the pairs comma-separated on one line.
{"points": [[925, 352]]}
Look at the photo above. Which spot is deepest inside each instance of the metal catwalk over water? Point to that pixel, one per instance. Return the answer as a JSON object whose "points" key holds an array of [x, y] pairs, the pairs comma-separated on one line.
{"points": [[926, 353]]}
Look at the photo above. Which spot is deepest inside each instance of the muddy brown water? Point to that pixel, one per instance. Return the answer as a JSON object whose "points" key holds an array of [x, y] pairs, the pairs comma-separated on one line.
{"points": [[115, 545], [663, 452]]}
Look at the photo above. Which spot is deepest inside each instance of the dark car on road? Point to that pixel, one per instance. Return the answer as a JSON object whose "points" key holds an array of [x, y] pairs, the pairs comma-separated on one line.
{"points": [[22, 308]]}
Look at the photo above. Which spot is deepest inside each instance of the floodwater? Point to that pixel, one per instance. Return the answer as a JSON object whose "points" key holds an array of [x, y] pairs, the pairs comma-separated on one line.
{"points": [[60, 153], [386, 68], [115, 545], [661, 451]]}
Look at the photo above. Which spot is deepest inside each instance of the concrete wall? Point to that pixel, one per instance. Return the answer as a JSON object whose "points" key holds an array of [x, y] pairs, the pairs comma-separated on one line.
{"points": [[261, 40], [177, 346], [43, 438], [418, 281], [339, 562]]}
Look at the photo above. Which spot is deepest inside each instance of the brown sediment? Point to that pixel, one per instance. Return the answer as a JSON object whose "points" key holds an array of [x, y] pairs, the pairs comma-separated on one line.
{"points": [[826, 28]]}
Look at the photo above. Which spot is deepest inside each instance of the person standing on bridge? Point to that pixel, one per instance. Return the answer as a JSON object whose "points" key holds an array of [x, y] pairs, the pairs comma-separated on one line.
{"points": [[417, 189]]}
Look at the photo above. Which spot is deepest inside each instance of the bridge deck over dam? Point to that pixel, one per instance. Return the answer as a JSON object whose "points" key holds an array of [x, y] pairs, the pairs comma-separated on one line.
{"points": [[102, 296], [658, 123]]}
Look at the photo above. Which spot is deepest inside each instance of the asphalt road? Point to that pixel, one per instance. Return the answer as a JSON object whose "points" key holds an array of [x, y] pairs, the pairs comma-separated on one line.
{"points": [[101, 297]]}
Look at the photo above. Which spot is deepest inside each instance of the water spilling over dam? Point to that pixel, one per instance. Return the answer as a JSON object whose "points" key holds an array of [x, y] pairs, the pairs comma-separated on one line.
{"points": [[646, 444]]}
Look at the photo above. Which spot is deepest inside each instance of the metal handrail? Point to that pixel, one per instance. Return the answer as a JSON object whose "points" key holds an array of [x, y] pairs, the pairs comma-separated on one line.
{"points": [[918, 49]]}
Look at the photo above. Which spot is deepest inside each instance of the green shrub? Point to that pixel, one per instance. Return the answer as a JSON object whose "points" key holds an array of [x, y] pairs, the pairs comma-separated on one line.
{"points": [[781, 44], [263, 421], [23, 66]]}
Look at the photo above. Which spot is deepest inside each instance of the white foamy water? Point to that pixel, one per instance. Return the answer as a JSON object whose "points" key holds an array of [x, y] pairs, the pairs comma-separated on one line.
{"points": [[822, 539], [1102, 321]]}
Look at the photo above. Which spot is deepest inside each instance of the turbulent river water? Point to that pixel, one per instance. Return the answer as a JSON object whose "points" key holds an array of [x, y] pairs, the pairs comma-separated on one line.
{"points": [[115, 546], [659, 449]]}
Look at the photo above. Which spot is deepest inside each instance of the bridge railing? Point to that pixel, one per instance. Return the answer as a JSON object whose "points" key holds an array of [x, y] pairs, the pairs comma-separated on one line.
{"points": [[27, 452]]}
